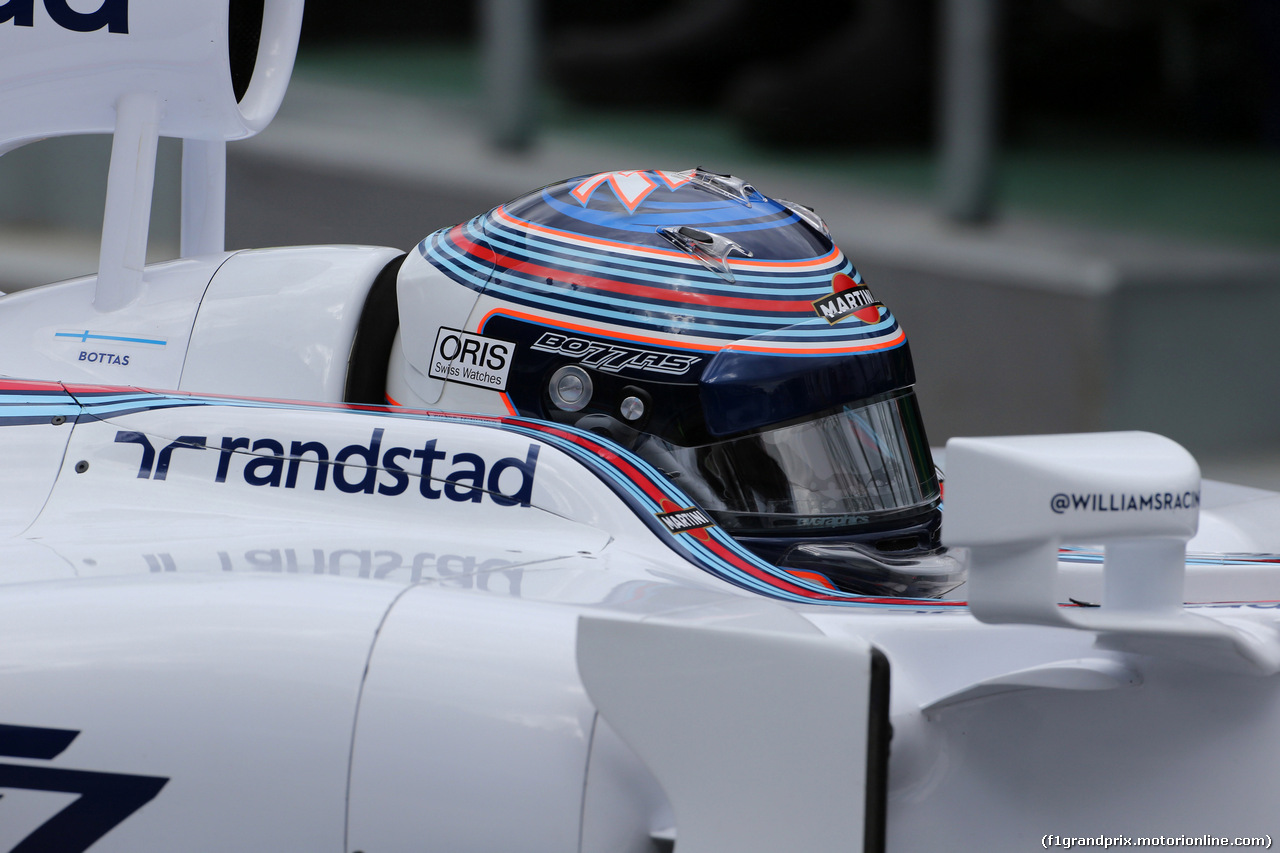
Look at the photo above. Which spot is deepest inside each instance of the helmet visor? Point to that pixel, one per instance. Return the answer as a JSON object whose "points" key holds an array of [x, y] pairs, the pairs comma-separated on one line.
{"points": [[862, 463]]}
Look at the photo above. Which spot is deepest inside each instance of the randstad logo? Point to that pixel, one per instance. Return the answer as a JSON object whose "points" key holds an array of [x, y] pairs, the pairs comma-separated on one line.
{"points": [[355, 469], [112, 14]]}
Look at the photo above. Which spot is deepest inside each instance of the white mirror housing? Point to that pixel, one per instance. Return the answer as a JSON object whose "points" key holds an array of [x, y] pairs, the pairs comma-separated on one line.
{"points": [[1013, 501]]}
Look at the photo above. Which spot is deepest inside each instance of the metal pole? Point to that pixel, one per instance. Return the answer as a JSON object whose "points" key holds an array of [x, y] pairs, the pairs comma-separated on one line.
{"points": [[204, 197], [126, 221], [510, 33], [969, 104]]}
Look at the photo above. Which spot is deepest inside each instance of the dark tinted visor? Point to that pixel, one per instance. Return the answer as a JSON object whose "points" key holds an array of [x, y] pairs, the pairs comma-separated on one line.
{"points": [[862, 464]]}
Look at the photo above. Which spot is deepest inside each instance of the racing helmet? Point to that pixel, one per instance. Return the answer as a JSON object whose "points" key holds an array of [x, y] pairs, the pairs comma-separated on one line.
{"points": [[716, 332]]}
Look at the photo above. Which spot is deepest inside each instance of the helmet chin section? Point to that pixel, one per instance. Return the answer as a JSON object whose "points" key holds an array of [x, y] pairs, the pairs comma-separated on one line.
{"points": [[858, 568], [905, 560]]}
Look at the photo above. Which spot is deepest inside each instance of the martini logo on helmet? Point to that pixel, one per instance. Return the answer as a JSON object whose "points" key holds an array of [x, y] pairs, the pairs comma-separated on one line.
{"points": [[848, 298], [684, 520], [471, 359], [612, 358], [112, 14]]}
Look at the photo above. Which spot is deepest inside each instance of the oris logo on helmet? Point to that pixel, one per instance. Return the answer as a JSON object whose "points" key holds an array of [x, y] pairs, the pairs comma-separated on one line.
{"points": [[848, 298], [612, 358], [471, 359], [112, 14]]}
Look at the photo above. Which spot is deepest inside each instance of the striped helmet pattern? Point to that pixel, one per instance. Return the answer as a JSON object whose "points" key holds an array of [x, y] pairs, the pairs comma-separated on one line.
{"points": [[590, 248]]}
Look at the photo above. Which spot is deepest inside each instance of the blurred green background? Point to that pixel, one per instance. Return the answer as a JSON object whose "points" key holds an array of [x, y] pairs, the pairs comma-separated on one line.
{"points": [[1160, 117], [1127, 275]]}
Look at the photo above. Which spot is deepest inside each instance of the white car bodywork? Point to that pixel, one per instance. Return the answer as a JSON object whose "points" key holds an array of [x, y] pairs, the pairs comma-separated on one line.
{"points": [[234, 622]]}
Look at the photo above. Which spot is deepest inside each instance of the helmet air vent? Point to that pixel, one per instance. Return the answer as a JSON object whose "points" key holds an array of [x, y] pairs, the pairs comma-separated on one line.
{"points": [[710, 250], [725, 185], [808, 215]]}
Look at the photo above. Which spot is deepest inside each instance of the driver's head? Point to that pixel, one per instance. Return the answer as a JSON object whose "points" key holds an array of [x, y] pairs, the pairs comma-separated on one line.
{"points": [[716, 332]]}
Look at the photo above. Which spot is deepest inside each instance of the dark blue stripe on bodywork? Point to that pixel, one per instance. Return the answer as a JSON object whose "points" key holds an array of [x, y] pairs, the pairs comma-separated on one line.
{"points": [[32, 742]]}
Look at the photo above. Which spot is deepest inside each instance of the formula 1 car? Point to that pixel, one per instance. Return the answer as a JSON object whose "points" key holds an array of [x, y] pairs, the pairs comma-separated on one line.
{"points": [[603, 522]]}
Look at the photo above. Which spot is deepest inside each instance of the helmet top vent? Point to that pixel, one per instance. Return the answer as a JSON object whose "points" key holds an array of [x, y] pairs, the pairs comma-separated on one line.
{"points": [[711, 250], [725, 185], [808, 214]]}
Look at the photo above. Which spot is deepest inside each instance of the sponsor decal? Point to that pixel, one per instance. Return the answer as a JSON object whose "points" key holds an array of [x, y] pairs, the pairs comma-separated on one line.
{"points": [[1120, 502], [833, 521], [684, 520], [612, 358], [112, 14], [105, 801], [355, 469], [848, 298], [471, 359]]}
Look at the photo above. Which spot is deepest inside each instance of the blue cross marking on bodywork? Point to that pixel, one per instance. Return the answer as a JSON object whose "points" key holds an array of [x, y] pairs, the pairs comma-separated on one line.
{"points": [[86, 335]]}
